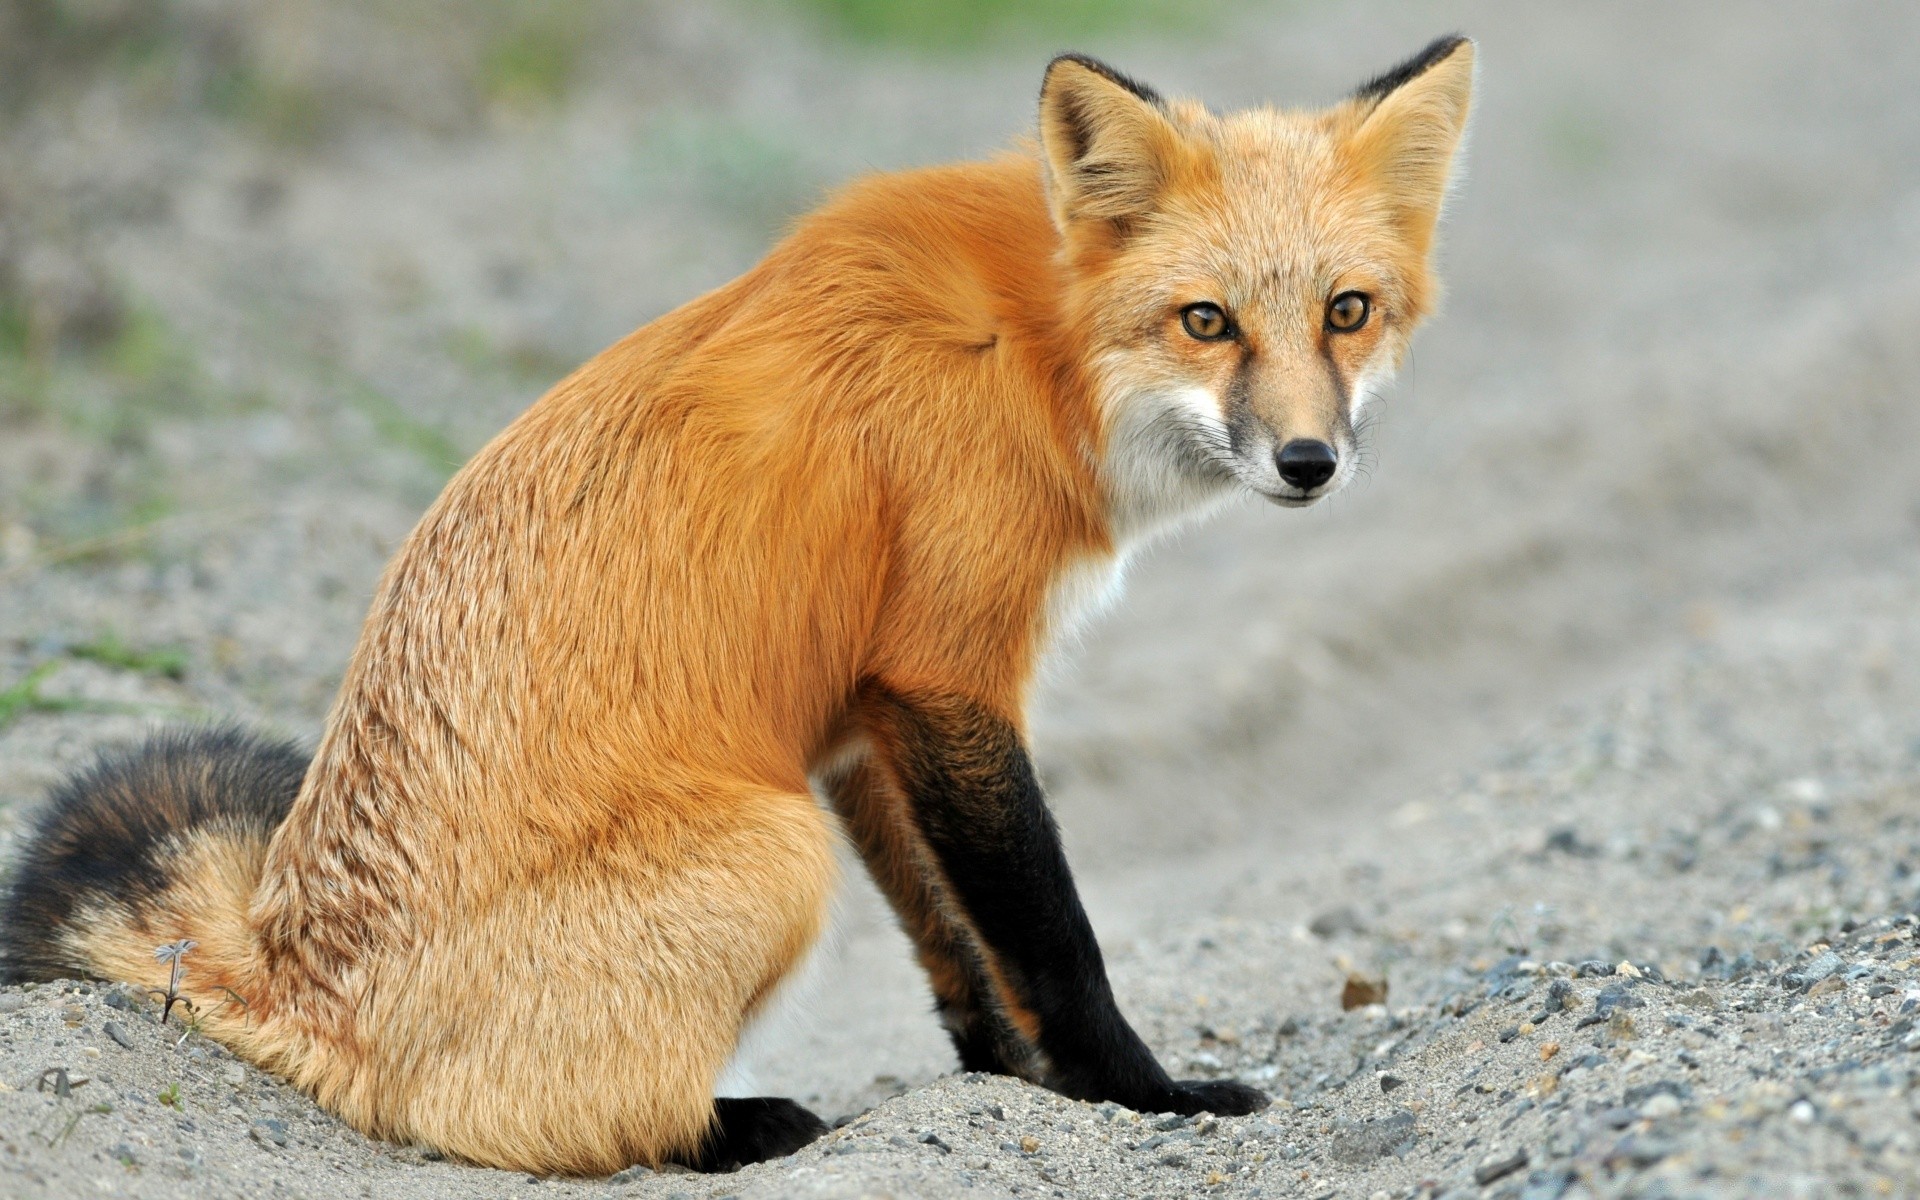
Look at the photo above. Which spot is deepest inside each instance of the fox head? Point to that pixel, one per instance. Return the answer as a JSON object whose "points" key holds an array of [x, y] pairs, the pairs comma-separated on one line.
{"points": [[1246, 281]]}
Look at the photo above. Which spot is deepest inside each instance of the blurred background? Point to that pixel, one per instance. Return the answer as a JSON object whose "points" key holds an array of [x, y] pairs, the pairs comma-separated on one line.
{"points": [[269, 271]]}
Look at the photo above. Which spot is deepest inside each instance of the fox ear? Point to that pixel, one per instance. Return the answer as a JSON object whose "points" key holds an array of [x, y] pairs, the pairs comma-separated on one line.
{"points": [[1108, 146], [1406, 127]]}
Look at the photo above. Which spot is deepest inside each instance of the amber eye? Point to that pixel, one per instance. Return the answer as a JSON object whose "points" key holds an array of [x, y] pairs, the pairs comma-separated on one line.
{"points": [[1206, 322], [1347, 312]]}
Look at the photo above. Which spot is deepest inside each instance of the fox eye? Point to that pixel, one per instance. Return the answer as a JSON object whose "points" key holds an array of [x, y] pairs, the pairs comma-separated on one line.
{"points": [[1206, 322], [1347, 312]]}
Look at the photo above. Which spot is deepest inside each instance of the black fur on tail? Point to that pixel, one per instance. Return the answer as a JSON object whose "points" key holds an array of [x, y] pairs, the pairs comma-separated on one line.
{"points": [[98, 835]]}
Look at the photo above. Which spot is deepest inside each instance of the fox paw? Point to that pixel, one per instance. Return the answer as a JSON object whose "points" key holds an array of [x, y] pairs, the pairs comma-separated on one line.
{"points": [[1222, 1097]]}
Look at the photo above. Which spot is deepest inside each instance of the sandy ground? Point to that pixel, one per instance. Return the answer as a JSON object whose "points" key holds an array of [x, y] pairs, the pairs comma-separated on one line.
{"points": [[1611, 659]]}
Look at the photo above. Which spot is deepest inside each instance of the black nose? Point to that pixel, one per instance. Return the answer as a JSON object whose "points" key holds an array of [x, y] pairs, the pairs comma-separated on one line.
{"points": [[1305, 464]]}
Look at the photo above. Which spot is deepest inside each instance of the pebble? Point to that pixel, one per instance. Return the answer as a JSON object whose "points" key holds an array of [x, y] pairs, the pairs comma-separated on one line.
{"points": [[1363, 1141], [269, 1131], [1642, 1151], [1660, 1106], [1499, 1167], [1548, 1184], [112, 1029], [1555, 1001], [1618, 1117], [1337, 921], [1811, 973], [1362, 990]]}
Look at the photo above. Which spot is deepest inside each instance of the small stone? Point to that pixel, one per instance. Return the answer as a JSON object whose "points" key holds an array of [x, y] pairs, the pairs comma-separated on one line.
{"points": [[112, 1029], [931, 1138], [125, 1155], [1362, 990], [1548, 1050], [1642, 1151], [1548, 1184], [269, 1131], [1663, 1105], [1491, 1169], [1337, 921], [1356, 1142], [1618, 1117], [1390, 1082], [632, 1174], [1802, 1112], [1030, 1144], [1586, 1062], [1813, 972]]}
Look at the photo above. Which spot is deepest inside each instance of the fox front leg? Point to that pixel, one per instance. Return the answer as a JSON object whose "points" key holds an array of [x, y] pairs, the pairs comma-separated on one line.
{"points": [[880, 820], [973, 804]]}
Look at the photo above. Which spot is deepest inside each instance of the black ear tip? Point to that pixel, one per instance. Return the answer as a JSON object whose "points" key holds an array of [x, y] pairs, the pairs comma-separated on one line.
{"points": [[1437, 51], [1117, 78]]}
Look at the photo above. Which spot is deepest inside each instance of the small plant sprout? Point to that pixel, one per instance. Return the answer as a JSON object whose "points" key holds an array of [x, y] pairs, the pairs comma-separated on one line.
{"points": [[170, 1095], [174, 954]]}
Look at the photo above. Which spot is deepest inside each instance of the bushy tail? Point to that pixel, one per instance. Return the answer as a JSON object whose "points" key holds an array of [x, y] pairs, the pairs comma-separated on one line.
{"points": [[147, 847]]}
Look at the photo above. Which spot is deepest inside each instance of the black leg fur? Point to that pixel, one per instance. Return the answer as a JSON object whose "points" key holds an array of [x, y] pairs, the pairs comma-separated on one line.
{"points": [[97, 835], [973, 793], [755, 1129]]}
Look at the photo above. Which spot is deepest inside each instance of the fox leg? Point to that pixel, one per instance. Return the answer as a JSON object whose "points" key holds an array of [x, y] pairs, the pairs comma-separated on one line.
{"points": [[877, 813], [976, 806], [577, 1020], [747, 1130]]}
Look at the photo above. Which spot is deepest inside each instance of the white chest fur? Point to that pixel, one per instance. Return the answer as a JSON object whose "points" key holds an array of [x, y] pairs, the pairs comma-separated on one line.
{"points": [[1082, 590]]}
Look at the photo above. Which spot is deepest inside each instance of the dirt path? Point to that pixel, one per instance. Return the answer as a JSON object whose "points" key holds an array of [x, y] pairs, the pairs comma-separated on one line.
{"points": [[1611, 659]]}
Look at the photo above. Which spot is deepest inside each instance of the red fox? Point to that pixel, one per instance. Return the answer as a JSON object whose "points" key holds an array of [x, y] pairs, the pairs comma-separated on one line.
{"points": [[810, 532]]}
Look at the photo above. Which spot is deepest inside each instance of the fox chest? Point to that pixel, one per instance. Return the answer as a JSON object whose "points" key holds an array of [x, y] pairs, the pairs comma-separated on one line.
{"points": [[1081, 589]]}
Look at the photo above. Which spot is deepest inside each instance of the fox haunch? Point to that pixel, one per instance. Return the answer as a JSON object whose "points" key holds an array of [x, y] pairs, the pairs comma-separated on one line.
{"points": [[814, 530]]}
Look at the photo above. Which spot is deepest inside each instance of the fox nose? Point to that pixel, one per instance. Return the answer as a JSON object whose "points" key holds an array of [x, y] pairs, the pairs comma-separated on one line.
{"points": [[1306, 464]]}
